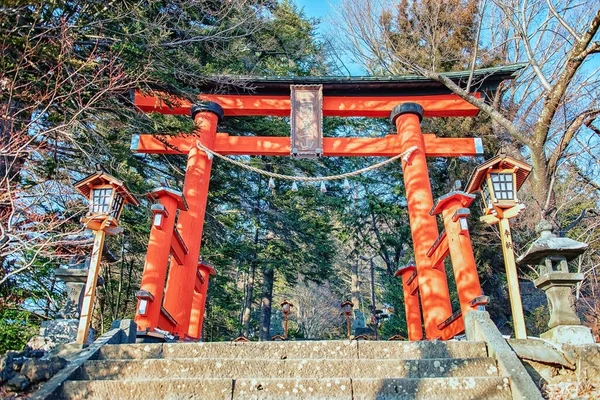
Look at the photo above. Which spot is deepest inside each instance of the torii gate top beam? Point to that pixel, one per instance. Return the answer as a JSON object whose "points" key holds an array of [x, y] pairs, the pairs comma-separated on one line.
{"points": [[342, 96]]}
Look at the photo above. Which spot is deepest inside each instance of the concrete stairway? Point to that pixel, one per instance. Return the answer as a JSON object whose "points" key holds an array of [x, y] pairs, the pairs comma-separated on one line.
{"points": [[291, 370]]}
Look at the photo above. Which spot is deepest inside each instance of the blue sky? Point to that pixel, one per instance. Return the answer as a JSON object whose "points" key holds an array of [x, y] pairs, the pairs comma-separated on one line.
{"points": [[322, 9], [315, 8]]}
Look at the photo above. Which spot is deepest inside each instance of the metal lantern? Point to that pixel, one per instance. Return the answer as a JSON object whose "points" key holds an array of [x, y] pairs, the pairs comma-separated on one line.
{"points": [[286, 307], [107, 195], [347, 307], [499, 179]]}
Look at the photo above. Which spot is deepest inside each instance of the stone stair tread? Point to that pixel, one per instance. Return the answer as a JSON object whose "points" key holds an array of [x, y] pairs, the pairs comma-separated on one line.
{"points": [[300, 350], [265, 368], [171, 389], [495, 388], [456, 388]]}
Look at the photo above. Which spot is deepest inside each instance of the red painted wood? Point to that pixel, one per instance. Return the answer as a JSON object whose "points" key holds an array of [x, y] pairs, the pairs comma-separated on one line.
{"points": [[155, 267], [461, 254], [433, 285], [386, 146], [412, 307], [179, 296], [443, 105]]}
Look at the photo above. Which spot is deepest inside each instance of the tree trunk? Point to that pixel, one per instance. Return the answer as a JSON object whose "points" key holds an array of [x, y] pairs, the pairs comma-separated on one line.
{"points": [[266, 303], [355, 286], [541, 181], [247, 312]]}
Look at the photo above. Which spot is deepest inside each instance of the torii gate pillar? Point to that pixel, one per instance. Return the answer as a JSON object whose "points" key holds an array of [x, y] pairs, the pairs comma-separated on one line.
{"points": [[179, 293], [433, 285]]}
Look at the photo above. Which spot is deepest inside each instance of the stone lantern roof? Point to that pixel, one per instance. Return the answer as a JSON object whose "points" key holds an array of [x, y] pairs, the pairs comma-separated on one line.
{"points": [[548, 244]]}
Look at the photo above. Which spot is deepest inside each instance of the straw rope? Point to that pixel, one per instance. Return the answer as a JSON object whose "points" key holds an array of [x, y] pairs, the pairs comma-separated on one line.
{"points": [[405, 155]]}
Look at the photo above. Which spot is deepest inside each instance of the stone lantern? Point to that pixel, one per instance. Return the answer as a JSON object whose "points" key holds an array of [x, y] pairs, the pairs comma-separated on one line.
{"points": [[551, 254]]}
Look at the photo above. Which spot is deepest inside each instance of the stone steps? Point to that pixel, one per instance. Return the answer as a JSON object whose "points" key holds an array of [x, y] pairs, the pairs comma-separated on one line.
{"points": [[300, 350], [494, 388], [267, 368], [458, 370]]}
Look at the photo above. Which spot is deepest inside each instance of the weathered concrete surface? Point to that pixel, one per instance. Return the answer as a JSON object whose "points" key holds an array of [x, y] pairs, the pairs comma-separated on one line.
{"points": [[50, 389], [480, 327], [277, 350], [172, 389], [587, 361], [260, 388], [432, 388], [300, 350], [569, 334], [273, 350], [266, 368], [542, 351], [495, 388], [561, 371], [420, 350], [284, 370]]}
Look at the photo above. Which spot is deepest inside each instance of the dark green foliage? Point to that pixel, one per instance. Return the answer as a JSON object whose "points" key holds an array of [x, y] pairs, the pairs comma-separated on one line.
{"points": [[16, 327]]}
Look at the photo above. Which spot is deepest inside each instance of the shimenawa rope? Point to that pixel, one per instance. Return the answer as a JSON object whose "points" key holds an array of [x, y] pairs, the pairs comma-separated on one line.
{"points": [[405, 156]]}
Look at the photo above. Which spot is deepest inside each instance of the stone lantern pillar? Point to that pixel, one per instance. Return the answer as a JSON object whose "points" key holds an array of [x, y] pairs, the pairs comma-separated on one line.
{"points": [[551, 254], [74, 280]]}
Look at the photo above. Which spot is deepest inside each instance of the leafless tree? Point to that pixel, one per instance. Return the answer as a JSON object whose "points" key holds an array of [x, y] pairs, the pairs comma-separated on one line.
{"points": [[316, 311], [550, 110]]}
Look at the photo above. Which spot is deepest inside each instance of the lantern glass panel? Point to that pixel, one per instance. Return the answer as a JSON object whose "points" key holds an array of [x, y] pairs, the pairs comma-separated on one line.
{"points": [[101, 200], [286, 307], [503, 185], [485, 194], [116, 206], [348, 308]]}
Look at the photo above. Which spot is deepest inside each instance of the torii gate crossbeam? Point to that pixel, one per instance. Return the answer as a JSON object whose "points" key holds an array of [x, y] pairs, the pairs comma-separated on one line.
{"points": [[387, 146], [180, 310]]}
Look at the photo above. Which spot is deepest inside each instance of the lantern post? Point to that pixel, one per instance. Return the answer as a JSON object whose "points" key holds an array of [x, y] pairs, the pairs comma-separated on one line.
{"points": [[107, 196], [498, 180], [347, 311], [286, 307]]}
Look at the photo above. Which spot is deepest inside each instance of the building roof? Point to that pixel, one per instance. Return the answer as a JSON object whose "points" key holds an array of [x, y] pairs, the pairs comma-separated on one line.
{"points": [[486, 79]]}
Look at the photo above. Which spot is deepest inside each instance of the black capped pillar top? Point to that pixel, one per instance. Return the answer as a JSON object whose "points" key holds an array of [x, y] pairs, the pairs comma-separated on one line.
{"points": [[406, 108], [209, 106]]}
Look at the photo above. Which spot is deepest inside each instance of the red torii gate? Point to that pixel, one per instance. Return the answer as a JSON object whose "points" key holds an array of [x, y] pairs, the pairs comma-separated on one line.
{"points": [[179, 308]]}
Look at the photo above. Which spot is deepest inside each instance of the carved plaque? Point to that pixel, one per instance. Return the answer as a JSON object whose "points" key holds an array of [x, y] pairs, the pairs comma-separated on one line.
{"points": [[307, 121]]}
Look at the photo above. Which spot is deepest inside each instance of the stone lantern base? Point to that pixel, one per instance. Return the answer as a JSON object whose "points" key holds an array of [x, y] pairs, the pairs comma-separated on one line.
{"points": [[565, 325], [569, 334], [57, 331]]}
